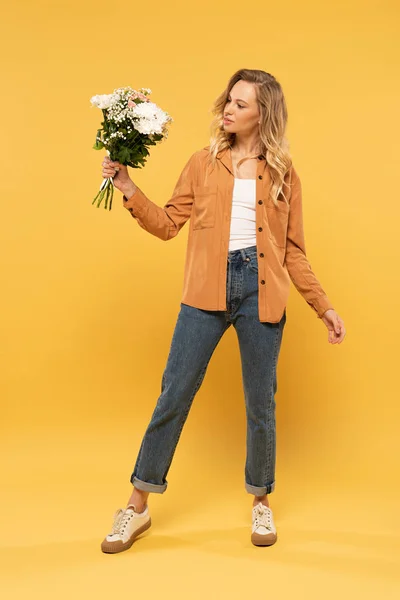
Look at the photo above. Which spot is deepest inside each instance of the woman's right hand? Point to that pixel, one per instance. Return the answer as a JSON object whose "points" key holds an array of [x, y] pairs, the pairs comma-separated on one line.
{"points": [[118, 172]]}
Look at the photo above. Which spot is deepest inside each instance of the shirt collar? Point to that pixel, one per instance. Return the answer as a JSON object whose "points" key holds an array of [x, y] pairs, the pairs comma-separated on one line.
{"points": [[225, 156]]}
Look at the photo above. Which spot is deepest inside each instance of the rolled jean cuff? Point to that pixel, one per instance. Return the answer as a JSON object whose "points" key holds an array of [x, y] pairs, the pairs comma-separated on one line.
{"points": [[148, 487], [260, 491]]}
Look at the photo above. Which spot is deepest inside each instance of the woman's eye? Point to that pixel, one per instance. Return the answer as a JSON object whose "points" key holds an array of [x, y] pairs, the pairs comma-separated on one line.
{"points": [[238, 104]]}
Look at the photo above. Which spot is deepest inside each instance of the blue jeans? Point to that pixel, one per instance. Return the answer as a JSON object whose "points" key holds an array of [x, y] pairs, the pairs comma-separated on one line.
{"points": [[196, 335]]}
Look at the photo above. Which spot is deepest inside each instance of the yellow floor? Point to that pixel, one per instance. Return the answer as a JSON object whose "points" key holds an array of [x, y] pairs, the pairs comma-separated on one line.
{"points": [[63, 488]]}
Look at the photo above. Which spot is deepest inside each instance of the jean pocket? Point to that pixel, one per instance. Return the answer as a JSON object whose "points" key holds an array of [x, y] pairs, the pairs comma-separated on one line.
{"points": [[252, 263]]}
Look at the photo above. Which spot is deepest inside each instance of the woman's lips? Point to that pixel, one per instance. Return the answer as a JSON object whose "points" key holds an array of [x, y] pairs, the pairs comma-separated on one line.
{"points": [[227, 121]]}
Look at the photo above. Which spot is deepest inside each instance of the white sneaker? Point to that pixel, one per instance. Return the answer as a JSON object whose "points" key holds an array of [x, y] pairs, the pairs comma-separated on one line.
{"points": [[127, 525], [263, 532]]}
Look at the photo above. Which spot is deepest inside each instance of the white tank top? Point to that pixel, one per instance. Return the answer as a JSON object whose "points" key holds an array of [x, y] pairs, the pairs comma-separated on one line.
{"points": [[243, 218]]}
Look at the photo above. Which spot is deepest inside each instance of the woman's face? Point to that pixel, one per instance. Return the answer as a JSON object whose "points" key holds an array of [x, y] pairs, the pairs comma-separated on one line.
{"points": [[242, 109]]}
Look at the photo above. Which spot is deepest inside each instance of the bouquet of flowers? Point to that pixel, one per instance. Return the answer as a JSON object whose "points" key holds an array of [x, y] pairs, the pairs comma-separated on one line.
{"points": [[131, 123]]}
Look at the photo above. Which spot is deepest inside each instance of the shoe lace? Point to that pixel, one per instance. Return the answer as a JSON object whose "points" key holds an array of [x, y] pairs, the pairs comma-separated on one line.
{"points": [[121, 519], [263, 517]]}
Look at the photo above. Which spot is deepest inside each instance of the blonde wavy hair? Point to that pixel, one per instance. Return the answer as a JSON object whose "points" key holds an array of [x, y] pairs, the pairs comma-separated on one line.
{"points": [[273, 119]]}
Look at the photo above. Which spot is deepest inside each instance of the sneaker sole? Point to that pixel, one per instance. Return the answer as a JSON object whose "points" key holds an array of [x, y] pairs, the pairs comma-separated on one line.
{"points": [[114, 547], [258, 539]]}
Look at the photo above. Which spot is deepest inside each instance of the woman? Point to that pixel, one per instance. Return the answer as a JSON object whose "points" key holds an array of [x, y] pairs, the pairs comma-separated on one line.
{"points": [[242, 197]]}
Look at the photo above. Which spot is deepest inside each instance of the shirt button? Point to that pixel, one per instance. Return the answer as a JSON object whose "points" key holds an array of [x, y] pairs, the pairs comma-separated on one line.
{"points": [[262, 281], [260, 177], [262, 254], [260, 229], [260, 202]]}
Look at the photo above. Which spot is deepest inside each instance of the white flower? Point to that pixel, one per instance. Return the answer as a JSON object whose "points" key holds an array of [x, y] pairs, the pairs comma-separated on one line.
{"points": [[151, 119], [102, 100]]}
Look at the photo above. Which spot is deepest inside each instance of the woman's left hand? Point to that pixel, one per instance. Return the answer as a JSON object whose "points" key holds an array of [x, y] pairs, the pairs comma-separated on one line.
{"points": [[335, 326]]}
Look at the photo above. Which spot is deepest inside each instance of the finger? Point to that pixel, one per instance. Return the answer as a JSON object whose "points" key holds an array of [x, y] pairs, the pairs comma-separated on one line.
{"points": [[342, 335]]}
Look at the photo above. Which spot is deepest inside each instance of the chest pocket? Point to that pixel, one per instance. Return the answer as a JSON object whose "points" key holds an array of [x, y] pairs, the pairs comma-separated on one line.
{"points": [[278, 219], [204, 207]]}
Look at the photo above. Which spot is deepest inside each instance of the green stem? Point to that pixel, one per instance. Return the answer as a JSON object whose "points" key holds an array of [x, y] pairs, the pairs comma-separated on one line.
{"points": [[111, 194]]}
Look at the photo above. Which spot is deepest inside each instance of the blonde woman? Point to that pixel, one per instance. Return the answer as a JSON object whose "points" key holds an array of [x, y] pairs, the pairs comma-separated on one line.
{"points": [[242, 198]]}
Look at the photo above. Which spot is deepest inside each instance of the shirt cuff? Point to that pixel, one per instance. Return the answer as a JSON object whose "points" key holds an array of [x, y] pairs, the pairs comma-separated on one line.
{"points": [[135, 203], [320, 304]]}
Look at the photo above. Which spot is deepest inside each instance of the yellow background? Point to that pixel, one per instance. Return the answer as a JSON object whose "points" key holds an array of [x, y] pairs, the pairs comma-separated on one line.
{"points": [[89, 302]]}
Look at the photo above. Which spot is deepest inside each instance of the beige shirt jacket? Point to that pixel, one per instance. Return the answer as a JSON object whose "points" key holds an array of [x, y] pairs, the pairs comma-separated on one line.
{"points": [[203, 196]]}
